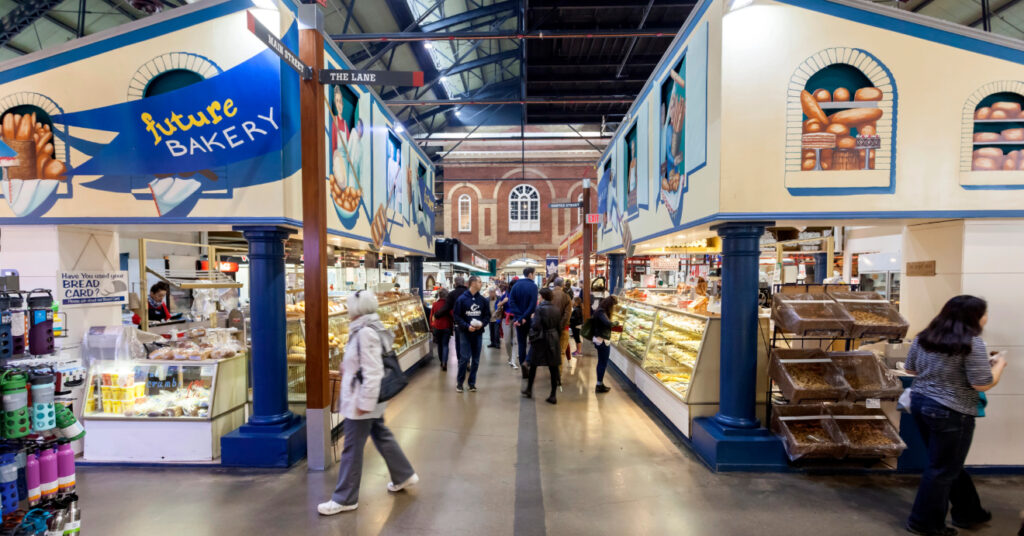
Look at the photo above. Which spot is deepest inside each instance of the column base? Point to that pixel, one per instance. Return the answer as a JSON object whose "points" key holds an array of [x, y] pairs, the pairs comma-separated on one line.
{"points": [[733, 449], [281, 445]]}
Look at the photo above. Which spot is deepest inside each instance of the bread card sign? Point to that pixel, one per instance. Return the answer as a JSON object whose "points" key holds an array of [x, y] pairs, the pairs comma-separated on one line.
{"points": [[92, 288]]}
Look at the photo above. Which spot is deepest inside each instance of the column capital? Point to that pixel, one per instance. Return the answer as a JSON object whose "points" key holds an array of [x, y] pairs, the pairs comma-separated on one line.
{"points": [[741, 229], [264, 232]]}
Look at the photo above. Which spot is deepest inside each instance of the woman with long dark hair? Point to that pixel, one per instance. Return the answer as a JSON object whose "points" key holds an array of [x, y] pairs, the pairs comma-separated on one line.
{"points": [[952, 366], [601, 327]]}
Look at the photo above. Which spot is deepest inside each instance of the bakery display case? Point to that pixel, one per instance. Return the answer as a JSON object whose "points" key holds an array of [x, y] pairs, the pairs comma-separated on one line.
{"points": [[399, 311], [153, 410], [672, 357]]}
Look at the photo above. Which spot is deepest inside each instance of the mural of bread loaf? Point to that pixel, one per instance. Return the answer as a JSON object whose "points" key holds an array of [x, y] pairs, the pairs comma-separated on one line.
{"points": [[31, 172], [998, 136], [840, 134]]}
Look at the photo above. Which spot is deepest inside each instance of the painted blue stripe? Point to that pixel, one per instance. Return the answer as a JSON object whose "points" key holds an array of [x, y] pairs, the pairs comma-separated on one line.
{"points": [[148, 30]]}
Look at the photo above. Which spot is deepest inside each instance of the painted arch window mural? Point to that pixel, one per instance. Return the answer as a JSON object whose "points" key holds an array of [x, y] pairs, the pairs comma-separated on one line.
{"points": [[33, 153], [840, 118], [993, 130]]}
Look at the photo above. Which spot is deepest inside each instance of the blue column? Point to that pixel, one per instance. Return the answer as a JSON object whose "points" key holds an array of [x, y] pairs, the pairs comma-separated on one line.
{"points": [[274, 436], [821, 272], [733, 439], [616, 270], [416, 274]]}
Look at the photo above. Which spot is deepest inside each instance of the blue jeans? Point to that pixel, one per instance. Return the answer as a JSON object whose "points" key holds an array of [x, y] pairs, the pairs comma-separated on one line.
{"points": [[442, 336], [471, 344], [947, 435], [603, 352]]}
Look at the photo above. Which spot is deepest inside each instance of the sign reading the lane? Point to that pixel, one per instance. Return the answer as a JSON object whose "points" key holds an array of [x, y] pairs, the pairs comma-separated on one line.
{"points": [[576, 204], [275, 44], [371, 78]]}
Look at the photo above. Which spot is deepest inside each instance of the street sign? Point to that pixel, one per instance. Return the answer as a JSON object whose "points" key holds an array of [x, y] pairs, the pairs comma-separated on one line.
{"points": [[275, 44], [593, 219], [371, 78], [575, 204]]}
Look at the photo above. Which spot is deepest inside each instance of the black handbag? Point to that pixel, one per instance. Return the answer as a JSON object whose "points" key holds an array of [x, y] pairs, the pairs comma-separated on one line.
{"points": [[394, 379]]}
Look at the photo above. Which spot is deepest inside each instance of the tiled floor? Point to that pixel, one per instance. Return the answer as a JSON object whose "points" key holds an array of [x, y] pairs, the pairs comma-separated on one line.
{"points": [[492, 463]]}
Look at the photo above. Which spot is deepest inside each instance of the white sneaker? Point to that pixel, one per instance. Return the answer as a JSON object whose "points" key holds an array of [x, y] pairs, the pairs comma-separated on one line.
{"points": [[513, 365], [412, 481], [330, 508]]}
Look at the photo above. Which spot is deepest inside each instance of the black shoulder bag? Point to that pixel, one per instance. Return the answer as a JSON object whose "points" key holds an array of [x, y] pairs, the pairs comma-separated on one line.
{"points": [[394, 379]]}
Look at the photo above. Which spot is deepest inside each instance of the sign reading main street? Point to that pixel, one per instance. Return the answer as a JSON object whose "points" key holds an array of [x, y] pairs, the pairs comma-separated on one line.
{"points": [[275, 44]]}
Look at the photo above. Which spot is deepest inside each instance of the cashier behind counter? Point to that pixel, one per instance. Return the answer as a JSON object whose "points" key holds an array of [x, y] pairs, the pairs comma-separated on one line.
{"points": [[158, 309]]}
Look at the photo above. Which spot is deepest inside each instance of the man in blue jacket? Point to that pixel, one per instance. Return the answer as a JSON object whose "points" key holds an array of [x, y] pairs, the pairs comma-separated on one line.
{"points": [[522, 303], [472, 313]]}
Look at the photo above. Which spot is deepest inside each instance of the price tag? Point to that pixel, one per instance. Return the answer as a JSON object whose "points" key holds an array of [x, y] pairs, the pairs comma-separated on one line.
{"points": [[873, 403]]}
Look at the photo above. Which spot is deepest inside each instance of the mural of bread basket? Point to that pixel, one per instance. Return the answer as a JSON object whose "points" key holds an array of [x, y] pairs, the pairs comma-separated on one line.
{"points": [[30, 171]]}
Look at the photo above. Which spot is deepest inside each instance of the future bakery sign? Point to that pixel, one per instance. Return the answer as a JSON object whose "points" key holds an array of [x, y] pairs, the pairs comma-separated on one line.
{"points": [[213, 135]]}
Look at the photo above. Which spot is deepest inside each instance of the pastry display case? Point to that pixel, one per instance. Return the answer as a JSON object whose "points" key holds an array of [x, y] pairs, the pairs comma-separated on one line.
{"points": [[672, 357], [399, 311]]}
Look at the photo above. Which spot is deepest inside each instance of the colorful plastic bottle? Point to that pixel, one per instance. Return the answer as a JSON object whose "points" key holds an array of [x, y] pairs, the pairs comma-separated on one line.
{"points": [[48, 478], [65, 467], [6, 338], [40, 331], [15, 401], [9, 482], [19, 324], [32, 478], [43, 415], [67, 425], [73, 521], [21, 460]]}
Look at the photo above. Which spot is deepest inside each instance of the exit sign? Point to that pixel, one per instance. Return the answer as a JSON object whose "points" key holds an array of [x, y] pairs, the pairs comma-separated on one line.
{"points": [[593, 218]]}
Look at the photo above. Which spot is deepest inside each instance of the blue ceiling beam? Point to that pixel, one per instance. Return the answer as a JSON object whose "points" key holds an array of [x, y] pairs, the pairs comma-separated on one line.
{"points": [[468, 16], [23, 16], [461, 67], [403, 16]]}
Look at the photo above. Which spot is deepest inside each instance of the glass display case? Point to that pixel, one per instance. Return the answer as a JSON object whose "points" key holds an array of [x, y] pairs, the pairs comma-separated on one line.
{"points": [[637, 320], [674, 347], [400, 312]]}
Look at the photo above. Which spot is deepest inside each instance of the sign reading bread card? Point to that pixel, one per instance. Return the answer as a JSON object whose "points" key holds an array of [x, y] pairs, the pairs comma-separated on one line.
{"points": [[91, 288]]}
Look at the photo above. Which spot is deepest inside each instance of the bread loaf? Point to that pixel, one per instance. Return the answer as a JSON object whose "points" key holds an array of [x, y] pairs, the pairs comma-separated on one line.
{"points": [[987, 137], [808, 164], [982, 113], [856, 116], [998, 114], [838, 129], [846, 142], [822, 95], [867, 130], [988, 152], [813, 125], [811, 108], [868, 94], [985, 164], [826, 159], [841, 94], [808, 154], [1012, 109], [1013, 134]]}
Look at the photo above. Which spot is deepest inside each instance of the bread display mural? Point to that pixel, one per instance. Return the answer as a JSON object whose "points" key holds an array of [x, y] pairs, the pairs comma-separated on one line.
{"points": [[840, 127], [32, 171], [997, 128]]}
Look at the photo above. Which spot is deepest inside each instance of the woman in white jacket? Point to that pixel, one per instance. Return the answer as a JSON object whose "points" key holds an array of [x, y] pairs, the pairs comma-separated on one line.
{"points": [[364, 415]]}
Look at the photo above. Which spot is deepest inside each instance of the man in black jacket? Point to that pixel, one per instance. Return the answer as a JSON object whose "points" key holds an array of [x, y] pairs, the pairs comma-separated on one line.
{"points": [[449, 307], [472, 312]]}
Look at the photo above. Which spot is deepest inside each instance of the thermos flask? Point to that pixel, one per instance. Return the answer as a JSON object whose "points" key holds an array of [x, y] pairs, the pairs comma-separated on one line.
{"points": [[67, 425], [6, 337], [32, 478], [9, 482], [15, 402], [65, 467], [40, 331], [47, 473], [19, 323], [43, 415]]}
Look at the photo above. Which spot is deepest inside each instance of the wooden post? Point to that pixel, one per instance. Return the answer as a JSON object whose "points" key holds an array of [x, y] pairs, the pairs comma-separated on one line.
{"points": [[143, 291], [588, 234], [314, 235]]}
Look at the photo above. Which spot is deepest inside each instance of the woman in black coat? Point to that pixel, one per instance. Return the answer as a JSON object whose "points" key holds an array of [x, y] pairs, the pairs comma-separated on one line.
{"points": [[601, 327], [545, 334]]}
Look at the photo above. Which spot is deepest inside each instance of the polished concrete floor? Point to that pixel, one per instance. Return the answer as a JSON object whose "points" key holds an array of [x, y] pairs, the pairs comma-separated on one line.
{"points": [[492, 463]]}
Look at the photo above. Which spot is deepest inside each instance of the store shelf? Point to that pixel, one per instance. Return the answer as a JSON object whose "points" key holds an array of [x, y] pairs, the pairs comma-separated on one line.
{"points": [[1017, 120], [845, 105], [986, 143]]}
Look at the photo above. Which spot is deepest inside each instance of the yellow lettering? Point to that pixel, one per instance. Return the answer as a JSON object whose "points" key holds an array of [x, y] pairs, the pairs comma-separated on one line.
{"points": [[151, 127], [174, 123], [176, 117], [229, 108], [212, 108], [202, 121], [170, 128]]}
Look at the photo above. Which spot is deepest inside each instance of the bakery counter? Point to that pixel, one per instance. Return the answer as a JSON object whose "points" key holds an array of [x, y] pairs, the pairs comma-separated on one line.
{"points": [[672, 358]]}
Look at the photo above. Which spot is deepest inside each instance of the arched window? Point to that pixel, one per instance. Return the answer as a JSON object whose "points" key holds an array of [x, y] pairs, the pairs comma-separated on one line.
{"points": [[524, 209], [993, 139], [579, 211], [465, 214]]}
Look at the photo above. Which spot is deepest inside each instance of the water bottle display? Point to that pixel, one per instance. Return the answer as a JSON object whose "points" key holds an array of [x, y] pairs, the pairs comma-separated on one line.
{"points": [[67, 425], [15, 401], [6, 337], [47, 472], [19, 324], [65, 467], [40, 331], [9, 482], [43, 415]]}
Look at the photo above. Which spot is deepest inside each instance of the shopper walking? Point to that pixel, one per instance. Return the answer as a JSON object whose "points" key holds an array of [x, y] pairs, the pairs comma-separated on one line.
{"points": [[449, 308], [952, 366], [576, 323], [522, 303], [601, 327], [442, 326], [544, 341], [471, 313], [508, 329], [362, 370], [494, 322]]}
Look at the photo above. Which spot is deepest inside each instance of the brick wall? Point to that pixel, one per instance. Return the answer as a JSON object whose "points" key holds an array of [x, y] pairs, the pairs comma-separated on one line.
{"points": [[488, 188]]}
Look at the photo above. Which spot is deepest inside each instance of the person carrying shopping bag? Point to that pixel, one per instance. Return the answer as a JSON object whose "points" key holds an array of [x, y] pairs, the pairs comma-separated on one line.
{"points": [[362, 372], [441, 322], [951, 367]]}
